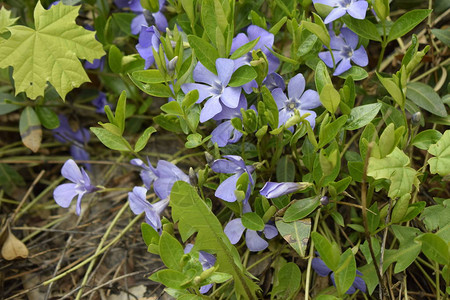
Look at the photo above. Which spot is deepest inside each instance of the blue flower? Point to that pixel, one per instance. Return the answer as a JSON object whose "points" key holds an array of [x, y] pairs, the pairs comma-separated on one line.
{"points": [[233, 164], [163, 177], [144, 17], [77, 139], [64, 193], [139, 204], [100, 102], [322, 270], [276, 189], [214, 87], [344, 50], [355, 8], [265, 43], [273, 81], [299, 99], [225, 133], [207, 261], [255, 243], [149, 39]]}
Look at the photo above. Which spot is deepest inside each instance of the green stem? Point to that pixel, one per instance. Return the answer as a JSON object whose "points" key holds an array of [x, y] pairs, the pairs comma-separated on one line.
{"points": [[311, 256]]}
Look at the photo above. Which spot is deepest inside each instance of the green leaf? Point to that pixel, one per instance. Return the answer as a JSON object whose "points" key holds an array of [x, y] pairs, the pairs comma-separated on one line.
{"points": [[424, 139], [119, 116], [10, 178], [148, 76], [149, 235], [169, 123], [170, 278], [364, 28], [329, 253], [393, 89], [373, 218], [213, 17], [111, 140], [143, 139], [30, 129], [192, 212], [409, 249], [49, 119], [271, 106], [189, 99], [321, 77], [285, 170], [328, 132], [407, 22], [242, 76], [362, 115], [288, 281], [296, 234], [204, 52], [440, 164], [172, 108], [244, 49], [170, 251], [357, 73], [330, 98], [400, 209], [394, 167], [436, 216], [442, 34], [50, 52], [115, 59], [195, 139], [346, 273], [387, 141], [252, 221], [5, 21], [435, 248], [301, 208], [424, 96]]}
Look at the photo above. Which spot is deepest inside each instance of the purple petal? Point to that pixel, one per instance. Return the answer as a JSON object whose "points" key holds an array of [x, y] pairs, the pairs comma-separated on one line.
{"points": [[311, 118], [358, 9], [225, 68], [248, 87], [230, 113], [64, 194], [212, 107], [163, 186], [202, 74], [327, 59], [254, 242], [71, 171], [226, 189], [296, 86], [240, 40], [167, 169], [279, 97], [137, 23], [206, 259], [274, 81], [284, 115], [78, 207], [222, 133], [224, 166], [230, 96], [160, 21], [343, 66], [205, 288], [325, 2], [350, 37], [270, 231], [359, 284], [336, 42], [237, 160], [188, 248], [276, 189], [137, 199], [265, 38], [234, 230], [335, 14], [320, 267], [135, 6], [309, 100], [274, 62], [153, 219], [204, 91], [360, 57]]}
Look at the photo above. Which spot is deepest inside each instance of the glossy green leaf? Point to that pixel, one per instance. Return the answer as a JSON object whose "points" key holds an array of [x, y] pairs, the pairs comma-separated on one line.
{"points": [[149, 235], [424, 139], [440, 163], [346, 272], [301, 209], [409, 249], [143, 139], [435, 248], [329, 132], [330, 98], [189, 99], [252, 221], [356, 72], [329, 253], [50, 51], [120, 113], [244, 49], [364, 28], [10, 179], [392, 89], [111, 140], [115, 59], [204, 52], [288, 281], [442, 34], [170, 251], [407, 22], [170, 278], [285, 171], [362, 115], [172, 108], [242, 76], [148, 76], [296, 234], [321, 76], [424, 96], [48, 118]]}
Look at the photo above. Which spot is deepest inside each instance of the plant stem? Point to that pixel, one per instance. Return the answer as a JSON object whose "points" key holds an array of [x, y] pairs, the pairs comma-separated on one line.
{"points": [[311, 256]]}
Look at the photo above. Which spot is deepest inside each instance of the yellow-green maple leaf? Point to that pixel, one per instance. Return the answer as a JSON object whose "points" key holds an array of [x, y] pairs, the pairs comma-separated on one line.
{"points": [[50, 52], [5, 21]]}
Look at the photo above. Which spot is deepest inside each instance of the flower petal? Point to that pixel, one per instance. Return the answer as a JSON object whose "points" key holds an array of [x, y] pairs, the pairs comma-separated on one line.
{"points": [[160, 21], [270, 231], [226, 189], [202, 74], [360, 57], [254, 242], [240, 40], [311, 118], [296, 86], [335, 14], [279, 97], [265, 38], [326, 57], [224, 166], [212, 107], [205, 288], [359, 284], [137, 199], [222, 133], [64, 194], [225, 68], [309, 100], [230, 113], [78, 208], [273, 81], [277, 189], [234, 230], [137, 23], [204, 91], [320, 267], [358, 9], [350, 37], [71, 171], [343, 66]]}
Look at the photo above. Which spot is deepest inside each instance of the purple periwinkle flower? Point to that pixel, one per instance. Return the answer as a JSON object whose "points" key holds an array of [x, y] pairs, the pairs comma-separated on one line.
{"points": [[207, 261], [149, 39], [95, 64], [77, 139], [163, 177], [235, 165], [100, 102], [344, 49], [322, 270], [277, 189], [273, 81], [299, 99], [225, 133], [266, 40], [64, 193], [355, 8], [215, 88], [139, 204], [144, 17], [255, 243]]}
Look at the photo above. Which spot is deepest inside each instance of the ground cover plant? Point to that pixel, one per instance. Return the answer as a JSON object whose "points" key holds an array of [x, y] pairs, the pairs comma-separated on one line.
{"points": [[221, 149]]}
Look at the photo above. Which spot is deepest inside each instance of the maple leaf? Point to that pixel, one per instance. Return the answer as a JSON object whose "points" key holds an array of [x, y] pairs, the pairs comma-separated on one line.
{"points": [[5, 21], [440, 164], [49, 52]]}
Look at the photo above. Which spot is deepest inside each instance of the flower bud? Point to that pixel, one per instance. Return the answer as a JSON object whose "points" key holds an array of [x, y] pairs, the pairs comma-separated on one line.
{"points": [[415, 119], [209, 158], [324, 200], [171, 66], [193, 177]]}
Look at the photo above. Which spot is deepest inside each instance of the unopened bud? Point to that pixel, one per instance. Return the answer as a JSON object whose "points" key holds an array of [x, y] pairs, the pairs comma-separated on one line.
{"points": [[193, 177], [209, 158], [324, 200], [171, 66], [415, 119]]}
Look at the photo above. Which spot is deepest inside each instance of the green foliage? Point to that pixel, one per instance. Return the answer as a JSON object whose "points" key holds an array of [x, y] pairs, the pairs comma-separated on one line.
{"points": [[49, 52], [296, 234], [440, 163]]}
